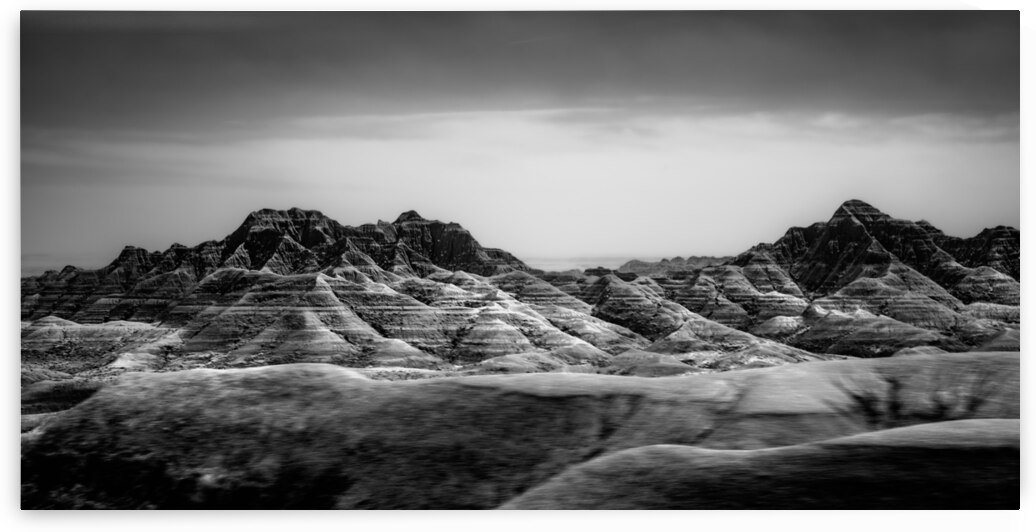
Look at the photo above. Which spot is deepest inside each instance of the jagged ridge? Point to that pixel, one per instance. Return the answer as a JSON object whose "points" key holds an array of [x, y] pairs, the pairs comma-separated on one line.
{"points": [[296, 285]]}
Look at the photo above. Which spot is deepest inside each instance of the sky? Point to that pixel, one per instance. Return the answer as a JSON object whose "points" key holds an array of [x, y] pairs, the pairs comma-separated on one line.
{"points": [[553, 135]]}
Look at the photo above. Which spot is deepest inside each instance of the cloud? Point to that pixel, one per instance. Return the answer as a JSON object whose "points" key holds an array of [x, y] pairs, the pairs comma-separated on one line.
{"points": [[201, 70], [312, 149], [543, 182], [996, 128]]}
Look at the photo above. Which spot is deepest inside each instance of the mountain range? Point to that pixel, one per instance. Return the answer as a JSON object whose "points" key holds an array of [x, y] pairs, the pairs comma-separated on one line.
{"points": [[850, 396], [416, 298]]}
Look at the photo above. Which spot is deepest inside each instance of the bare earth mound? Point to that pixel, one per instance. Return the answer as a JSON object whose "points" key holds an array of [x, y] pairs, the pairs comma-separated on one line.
{"points": [[967, 464], [319, 436]]}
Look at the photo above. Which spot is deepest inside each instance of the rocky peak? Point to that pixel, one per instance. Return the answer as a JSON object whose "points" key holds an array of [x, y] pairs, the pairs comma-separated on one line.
{"points": [[309, 228], [133, 258], [861, 241], [409, 216], [132, 253], [272, 217], [859, 210]]}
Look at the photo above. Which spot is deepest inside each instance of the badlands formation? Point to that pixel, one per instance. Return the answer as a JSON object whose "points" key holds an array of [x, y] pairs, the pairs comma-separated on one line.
{"points": [[854, 363]]}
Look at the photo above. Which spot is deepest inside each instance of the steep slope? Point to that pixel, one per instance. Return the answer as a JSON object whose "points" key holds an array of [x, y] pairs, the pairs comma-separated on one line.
{"points": [[998, 248], [283, 242], [888, 279], [241, 318], [861, 241], [295, 285]]}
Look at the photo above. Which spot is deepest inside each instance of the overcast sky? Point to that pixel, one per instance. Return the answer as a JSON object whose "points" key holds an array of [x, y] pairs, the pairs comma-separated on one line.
{"points": [[551, 135]]}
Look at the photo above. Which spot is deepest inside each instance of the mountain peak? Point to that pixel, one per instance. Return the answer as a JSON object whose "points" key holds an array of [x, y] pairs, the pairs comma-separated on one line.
{"points": [[857, 206], [858, 209], [275, 218], [293, 212], [409, 216], [307, 227]]}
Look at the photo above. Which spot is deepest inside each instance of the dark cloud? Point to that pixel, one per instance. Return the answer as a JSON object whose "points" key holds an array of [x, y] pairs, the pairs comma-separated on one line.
{"points": [[192, 71]]}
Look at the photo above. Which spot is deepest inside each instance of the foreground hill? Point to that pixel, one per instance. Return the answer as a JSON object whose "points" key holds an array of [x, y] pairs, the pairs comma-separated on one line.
{"points": [[888, 433], [954, 464]]}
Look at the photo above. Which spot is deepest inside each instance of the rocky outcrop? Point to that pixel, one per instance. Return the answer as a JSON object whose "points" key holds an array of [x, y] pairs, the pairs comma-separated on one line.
{"points": [[998, 248], [634, 306], [528, 289], [826, 256], [984, 284], [319, 436], [859, 260], [56, 345], [297, 286], [860, 241], [450, 246], [751, 290], [669, 267], [140, 285], [241, 318]]}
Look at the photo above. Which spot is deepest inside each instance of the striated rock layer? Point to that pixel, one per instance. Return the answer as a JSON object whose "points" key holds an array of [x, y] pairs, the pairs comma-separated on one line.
{"points": [[891, 284], [297, 286], [140, 285]]}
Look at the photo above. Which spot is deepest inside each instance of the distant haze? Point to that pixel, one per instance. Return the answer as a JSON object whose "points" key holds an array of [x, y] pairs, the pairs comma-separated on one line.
{"points": [[551, 135]]}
